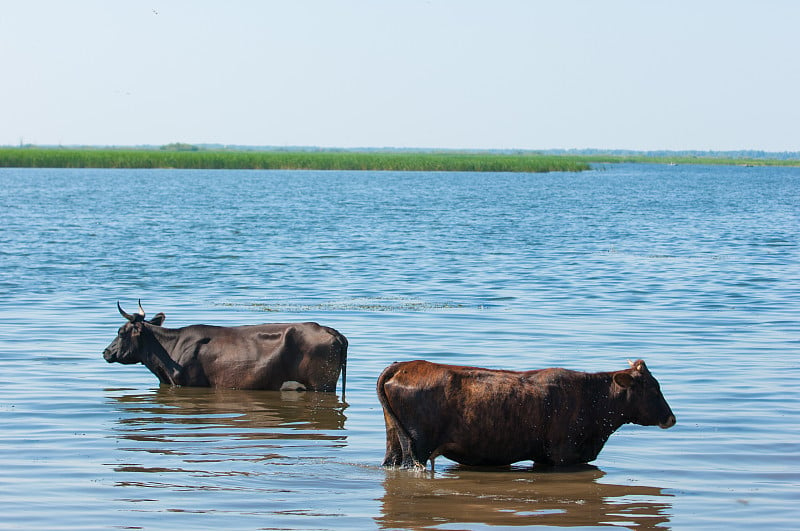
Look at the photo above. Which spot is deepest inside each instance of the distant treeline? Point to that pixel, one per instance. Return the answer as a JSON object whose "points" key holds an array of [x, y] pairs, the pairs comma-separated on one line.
{"points": [[268, 160], [189, 156], [751, 154], [674, 158]]}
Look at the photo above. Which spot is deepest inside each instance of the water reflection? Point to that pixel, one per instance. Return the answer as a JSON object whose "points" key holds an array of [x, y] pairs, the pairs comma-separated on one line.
{"points": [[219, 430], [239, 409], [517, 497]]}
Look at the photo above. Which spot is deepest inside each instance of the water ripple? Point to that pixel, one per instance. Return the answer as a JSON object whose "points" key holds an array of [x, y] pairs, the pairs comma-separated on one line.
{"points": [[692, 268]]}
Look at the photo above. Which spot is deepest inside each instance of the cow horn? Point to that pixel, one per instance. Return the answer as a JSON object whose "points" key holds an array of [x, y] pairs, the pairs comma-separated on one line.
{"points": [[637, 365], [127, 316], [141, 310]]}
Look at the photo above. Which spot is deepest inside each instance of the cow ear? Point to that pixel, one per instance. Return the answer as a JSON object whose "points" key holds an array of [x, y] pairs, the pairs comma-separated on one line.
{"points": [[158, 319], [623, 379]]}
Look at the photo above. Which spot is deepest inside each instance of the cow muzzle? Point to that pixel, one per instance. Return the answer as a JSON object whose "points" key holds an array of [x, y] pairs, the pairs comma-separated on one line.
{"points": [[670, 422], [109, 356]]}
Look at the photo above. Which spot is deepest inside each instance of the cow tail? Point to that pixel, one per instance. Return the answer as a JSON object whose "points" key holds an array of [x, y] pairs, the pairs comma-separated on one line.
{"points": [[387, 373], [407, 457], [343, 357]]}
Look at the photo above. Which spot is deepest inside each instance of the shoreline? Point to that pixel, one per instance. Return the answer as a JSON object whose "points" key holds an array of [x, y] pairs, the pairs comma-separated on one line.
{"points": [[528, 162], [286, 160]]}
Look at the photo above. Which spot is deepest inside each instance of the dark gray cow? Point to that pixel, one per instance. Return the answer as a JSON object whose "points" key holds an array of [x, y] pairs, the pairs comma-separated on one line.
{"points": [[480, 416], [264, 356]]}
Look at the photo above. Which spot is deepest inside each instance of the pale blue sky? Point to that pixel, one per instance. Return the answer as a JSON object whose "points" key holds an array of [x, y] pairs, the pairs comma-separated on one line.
{"points": [[644, 74]]}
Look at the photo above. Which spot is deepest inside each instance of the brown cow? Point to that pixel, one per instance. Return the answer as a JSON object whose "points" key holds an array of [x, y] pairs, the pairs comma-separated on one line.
{"points": [[490, 417], [261, 356]]}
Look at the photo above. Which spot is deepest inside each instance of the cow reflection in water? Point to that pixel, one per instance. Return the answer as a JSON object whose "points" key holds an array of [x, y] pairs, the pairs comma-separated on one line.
{"points": [[518, 497], [203, 425]]}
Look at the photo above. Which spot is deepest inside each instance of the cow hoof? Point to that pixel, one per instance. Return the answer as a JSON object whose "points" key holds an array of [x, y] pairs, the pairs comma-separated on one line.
{"points": [[292, 386], [392, 461]]}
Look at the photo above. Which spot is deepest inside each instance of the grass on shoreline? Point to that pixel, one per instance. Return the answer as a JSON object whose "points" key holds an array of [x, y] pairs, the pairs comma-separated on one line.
{"points": [[272, 160], [31, 157]]}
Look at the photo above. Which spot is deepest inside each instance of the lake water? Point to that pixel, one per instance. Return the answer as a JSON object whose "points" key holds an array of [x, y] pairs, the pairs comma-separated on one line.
{"points": [[695, 269]]}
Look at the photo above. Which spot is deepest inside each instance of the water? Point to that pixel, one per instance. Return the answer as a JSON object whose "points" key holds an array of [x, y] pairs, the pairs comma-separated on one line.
{"points": [[695, 269]]}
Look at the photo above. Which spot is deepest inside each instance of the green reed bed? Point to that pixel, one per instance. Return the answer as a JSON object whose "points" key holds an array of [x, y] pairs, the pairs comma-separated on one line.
{"points": [[311, 160]]}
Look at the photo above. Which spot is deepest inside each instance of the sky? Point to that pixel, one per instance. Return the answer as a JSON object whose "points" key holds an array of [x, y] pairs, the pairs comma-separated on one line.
{"points": [[461, 74]]}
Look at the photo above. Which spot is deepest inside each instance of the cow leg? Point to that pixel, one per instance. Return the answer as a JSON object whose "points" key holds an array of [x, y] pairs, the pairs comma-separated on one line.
{"points": [[399, 447], [394, 452], [411, 458], [391, 459]]}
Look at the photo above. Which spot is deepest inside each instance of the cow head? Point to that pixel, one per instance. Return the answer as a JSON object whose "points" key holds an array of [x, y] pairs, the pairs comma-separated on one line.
{"points": [[642, 394], [127, 347]]}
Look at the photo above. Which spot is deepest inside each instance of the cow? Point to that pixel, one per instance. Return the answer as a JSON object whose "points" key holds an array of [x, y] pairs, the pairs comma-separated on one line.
{"points": [[264, 356], [485, 417]]}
